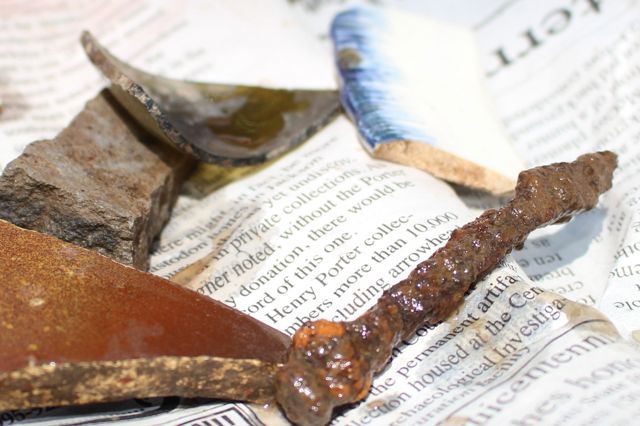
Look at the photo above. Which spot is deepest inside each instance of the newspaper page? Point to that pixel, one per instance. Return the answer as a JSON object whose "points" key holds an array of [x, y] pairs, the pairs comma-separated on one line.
{"points": [[323, 231], [493, 360], [566, 80]]}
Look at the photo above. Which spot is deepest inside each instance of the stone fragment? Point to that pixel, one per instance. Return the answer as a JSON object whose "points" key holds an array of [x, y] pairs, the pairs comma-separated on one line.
{"points": [[103, 183], [78, 328]]}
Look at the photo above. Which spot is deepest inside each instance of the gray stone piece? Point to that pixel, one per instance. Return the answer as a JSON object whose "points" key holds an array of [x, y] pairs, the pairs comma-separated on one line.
{"points": [[102, 183]]}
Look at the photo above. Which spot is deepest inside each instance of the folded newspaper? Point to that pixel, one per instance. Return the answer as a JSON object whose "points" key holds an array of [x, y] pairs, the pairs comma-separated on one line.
{"points": [[549, 337]]}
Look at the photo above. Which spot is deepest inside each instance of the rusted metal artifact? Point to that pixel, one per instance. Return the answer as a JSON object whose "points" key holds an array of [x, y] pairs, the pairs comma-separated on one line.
{"points": [[332, 363], [229, 125], [77, 327]]}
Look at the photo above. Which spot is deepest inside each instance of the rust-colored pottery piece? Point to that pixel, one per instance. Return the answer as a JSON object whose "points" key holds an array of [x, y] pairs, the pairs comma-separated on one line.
{"points": [[77, 327]]}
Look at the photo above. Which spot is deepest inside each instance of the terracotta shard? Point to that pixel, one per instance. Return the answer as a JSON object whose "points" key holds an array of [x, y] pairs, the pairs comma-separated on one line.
{"points": [[228, 125], [77, 328], [102, 183]]}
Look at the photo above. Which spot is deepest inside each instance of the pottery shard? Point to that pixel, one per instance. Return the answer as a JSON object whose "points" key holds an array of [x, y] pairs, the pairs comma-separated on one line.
{"points": [[78, 328], [102, 183]]}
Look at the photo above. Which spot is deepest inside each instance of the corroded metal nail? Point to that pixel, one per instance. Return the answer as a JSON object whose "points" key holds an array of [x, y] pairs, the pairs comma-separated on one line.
{"points": [[349, 353]]}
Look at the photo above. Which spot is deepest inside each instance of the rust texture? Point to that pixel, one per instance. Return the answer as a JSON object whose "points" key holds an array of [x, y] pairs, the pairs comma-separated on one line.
{"points": [[102, 183], [332, 363], [78, 327]]}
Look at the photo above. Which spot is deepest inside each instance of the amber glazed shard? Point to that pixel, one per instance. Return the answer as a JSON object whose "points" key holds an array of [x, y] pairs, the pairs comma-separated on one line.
{"points": [[77, 327], [228, 125]]}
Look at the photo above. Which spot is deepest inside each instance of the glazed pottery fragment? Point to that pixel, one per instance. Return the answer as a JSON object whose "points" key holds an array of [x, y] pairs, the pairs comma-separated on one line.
{"points": [[80, 328], [229, 125]]}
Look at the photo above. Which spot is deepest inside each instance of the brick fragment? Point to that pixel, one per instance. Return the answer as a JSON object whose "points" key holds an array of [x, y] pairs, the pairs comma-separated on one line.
{"points": [[102, 183]]}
